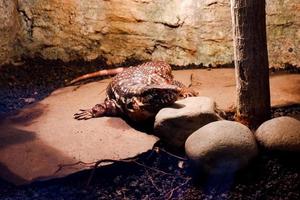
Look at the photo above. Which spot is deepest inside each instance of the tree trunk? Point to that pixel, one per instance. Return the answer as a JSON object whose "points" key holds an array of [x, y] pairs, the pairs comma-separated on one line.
{"points": [[251, 61]]}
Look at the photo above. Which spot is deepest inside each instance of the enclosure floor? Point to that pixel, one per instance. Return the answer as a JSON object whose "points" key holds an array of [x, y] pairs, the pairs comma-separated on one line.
{"points": [[218, 84]]}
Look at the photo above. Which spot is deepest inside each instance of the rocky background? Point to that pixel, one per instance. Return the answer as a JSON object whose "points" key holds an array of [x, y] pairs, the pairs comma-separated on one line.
{"points": [[9, 28], [179, 32]]}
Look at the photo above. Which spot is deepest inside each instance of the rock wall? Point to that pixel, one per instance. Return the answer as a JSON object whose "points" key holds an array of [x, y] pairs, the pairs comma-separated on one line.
{"points": [[9, 27], [283, 29], [179, 32]]}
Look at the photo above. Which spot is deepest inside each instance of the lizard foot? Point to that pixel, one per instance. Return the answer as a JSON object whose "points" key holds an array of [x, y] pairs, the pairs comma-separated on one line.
{"points": [[97, 111], [84, 114]]}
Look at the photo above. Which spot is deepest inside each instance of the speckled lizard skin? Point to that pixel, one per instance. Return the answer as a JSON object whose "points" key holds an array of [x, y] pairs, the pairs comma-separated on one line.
{"points": [[139, 93]]}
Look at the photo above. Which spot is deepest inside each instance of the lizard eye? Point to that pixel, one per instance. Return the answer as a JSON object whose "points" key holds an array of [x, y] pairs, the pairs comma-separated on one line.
{"points": [[133, 104], [130, 105]]}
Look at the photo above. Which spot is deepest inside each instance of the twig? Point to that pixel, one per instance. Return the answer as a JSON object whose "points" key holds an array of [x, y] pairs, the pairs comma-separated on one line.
{"points": [[153, 169], [173, 155], [191, 80], [171, 192], [151, 180], [106, 161], [133, 160]]}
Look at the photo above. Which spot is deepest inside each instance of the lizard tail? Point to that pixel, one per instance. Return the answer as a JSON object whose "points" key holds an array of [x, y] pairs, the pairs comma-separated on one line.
{"points": [[97, 74]]}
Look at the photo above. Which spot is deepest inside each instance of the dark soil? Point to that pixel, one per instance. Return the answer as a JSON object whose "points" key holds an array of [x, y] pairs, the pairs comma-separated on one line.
{"points": [[155, 174]]}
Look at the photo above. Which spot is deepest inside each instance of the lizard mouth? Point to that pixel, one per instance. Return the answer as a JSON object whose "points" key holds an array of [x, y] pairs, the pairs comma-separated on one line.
{"points": [[160, 95]]}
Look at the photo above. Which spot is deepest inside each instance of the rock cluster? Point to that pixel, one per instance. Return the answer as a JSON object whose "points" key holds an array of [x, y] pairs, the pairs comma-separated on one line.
{"points": [[215, 144], [220, 146]]}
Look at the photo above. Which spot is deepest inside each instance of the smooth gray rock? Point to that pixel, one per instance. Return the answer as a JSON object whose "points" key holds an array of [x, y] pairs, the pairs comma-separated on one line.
{"points": [[282, 133], [221, 147], [176, 123]]}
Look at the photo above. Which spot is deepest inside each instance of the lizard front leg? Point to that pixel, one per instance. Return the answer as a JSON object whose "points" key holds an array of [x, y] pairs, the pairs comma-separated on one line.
{"points": [[108, 108]]}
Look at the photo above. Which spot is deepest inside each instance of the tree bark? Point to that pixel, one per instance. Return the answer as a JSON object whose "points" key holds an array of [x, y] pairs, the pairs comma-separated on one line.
{"points": [[251, 61]]}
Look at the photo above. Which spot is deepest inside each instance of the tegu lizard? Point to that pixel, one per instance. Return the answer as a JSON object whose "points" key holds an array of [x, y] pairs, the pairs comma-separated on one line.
{"points": [[138, 93]]}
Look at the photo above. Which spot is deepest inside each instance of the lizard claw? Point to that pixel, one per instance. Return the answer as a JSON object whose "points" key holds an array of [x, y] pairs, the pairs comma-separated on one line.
{"points": [[186, 94], [84, 114]]}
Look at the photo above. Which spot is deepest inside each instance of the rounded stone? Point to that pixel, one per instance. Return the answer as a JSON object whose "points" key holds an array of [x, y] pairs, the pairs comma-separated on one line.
{"points": [[174, 124], [221, 147], [282, 133]]}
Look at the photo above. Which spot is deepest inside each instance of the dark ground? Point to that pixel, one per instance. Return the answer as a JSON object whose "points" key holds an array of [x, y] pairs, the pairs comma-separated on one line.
{"points": [[154, 175]]}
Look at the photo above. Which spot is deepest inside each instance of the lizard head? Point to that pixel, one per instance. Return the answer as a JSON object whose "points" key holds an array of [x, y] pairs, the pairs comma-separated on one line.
{"points": [[158, 96], [151, 100]]}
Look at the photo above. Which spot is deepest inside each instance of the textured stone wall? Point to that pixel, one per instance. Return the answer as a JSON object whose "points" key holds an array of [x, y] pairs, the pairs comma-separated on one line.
{"points": [[283, 32], [179, 32], [9, 27]]}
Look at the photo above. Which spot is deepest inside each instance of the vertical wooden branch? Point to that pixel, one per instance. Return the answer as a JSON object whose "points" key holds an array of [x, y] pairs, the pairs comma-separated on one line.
{"points": [[251, 61]]}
